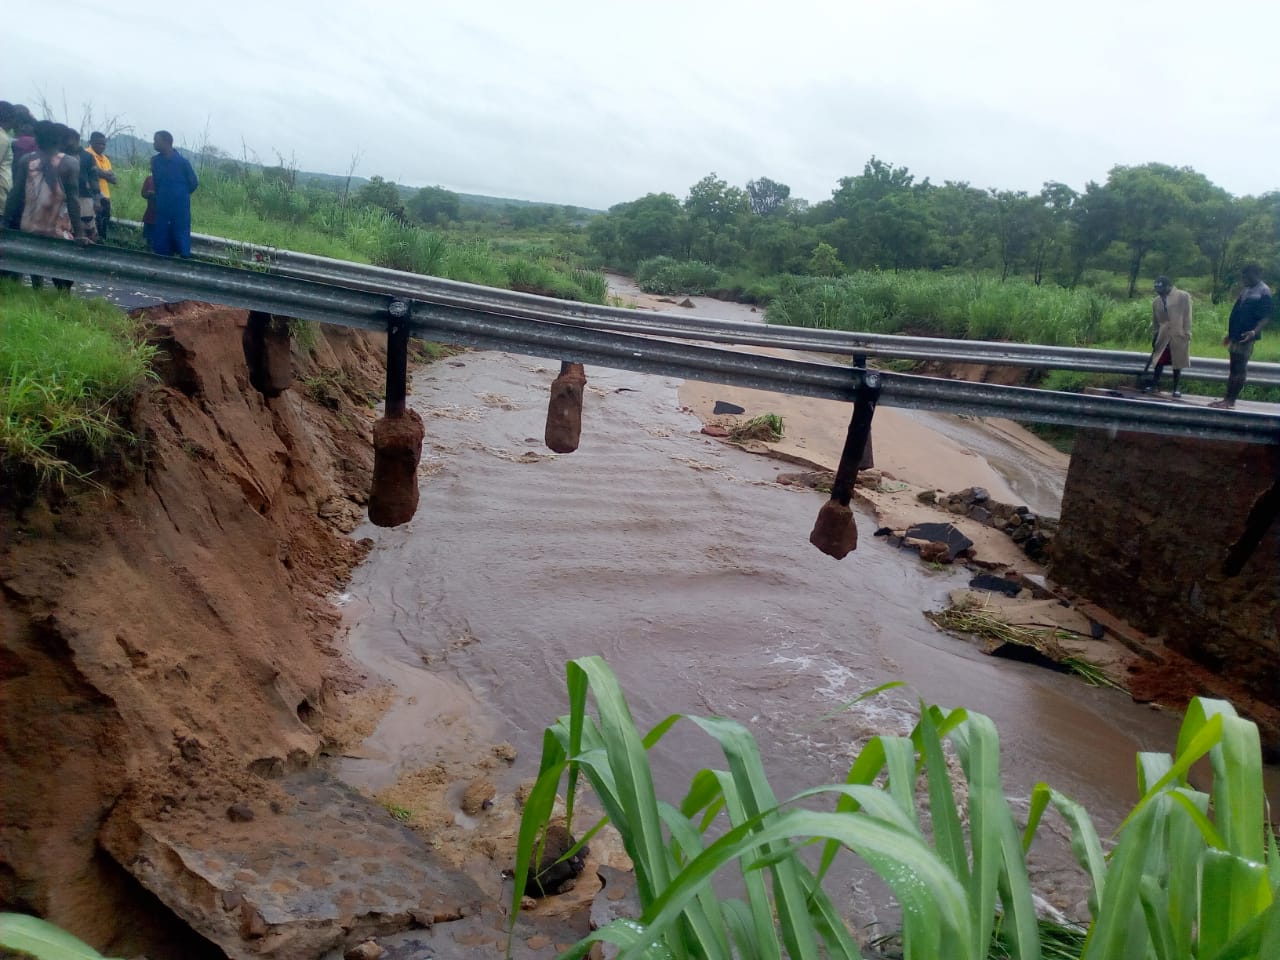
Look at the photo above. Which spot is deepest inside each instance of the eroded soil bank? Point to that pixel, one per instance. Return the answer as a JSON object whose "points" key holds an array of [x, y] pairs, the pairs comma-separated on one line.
{"points": [[168, 672]]}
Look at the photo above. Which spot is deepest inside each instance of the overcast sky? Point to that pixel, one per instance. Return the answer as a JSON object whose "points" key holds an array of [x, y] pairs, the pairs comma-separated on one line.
{"points": [[598, 102]]}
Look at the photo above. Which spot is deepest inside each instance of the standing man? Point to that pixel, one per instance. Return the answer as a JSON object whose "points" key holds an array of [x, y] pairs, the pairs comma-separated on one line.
{"points": [[106, 177], [175, 182], [8, 117], [1251, 312], [88, 182], [1171, 333], [45, 198]]}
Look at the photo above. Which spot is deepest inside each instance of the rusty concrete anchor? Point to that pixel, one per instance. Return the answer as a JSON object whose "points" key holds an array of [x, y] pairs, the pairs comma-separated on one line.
{"points": [[564, 410], [268, 353], [398, 433], [834, 532]]}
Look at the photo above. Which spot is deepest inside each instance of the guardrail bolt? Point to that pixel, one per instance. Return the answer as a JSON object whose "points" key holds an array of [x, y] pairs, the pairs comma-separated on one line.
{"points": [[564, 411], [397, 435], [834, 532], [268, 353]]}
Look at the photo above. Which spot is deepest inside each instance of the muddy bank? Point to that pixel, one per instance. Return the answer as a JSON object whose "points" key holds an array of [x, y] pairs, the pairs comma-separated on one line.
{"points": [[166, 658]]}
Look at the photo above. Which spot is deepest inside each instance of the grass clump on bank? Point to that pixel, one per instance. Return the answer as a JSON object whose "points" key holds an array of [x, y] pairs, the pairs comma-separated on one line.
{"points": [[70, 368]]}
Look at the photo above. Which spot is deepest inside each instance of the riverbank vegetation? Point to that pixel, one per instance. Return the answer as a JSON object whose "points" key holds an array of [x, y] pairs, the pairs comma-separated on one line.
{"points": [[1191, 873], [71, 368], [270, 208]]}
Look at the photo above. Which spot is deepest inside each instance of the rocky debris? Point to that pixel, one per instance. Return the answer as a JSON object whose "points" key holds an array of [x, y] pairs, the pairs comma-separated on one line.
{"points": [[956, 543], [333, 869], [935, 551], [505, 752], [368, 950], [1033, 534], [478, 796], [715, 430], [686, 302], [240, 813], [723, 407], [552, 872]]}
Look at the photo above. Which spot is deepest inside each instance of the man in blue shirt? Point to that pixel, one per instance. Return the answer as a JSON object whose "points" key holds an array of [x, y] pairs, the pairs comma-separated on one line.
{"points": [[175, 181], [1252, 312]]}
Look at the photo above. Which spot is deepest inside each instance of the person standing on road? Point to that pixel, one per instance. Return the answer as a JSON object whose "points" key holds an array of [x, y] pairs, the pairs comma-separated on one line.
{"points": [[106, 177], [175, 182], [45, 199], [1251, 312], [88, 182], [8, 117], [1171, 333]]}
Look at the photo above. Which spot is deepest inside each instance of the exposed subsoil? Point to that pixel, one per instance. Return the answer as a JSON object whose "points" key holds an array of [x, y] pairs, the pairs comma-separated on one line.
{"points": [[165, 644]]}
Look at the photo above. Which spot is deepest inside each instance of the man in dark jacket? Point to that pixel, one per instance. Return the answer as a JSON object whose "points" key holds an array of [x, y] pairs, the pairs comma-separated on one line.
{"points": [[175, 181], [1251, 312]]}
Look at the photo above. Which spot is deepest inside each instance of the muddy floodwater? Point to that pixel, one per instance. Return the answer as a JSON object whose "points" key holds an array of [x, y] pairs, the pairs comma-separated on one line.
{"points": [[678, 560]]}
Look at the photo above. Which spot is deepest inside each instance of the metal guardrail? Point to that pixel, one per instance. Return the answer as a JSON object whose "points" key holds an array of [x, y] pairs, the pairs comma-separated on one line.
{"points": [[305, 266], [484, 328]]}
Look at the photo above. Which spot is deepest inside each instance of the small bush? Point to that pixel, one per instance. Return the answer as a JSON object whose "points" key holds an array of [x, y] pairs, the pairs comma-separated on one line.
{"points": [[668, 276]]}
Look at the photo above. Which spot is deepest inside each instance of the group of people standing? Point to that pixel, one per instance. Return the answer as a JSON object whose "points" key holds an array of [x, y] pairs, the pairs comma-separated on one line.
{"points": [[52, 185], [1171, 332]]}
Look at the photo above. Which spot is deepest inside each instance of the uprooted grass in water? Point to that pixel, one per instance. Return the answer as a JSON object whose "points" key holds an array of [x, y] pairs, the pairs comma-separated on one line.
{"points": [[982, 622], [69, 368], [767, 427]]}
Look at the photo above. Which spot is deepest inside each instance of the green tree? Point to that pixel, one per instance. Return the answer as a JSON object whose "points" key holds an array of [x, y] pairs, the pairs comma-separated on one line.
{"points": [[1149, 205], [825, 261], [713, 206], [766, 196], [383, 194], [654, 225], [434, 205]]}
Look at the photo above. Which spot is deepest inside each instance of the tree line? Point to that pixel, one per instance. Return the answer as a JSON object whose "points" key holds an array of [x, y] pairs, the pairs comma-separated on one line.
{"points": [[1142, 220]]}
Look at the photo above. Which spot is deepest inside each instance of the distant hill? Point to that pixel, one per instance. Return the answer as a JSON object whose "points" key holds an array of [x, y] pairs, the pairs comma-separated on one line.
{"points": [[126, 147]]}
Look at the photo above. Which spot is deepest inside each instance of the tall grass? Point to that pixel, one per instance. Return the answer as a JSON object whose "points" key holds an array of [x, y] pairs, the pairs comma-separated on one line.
{"points": [[978, 307], [1192, 875], [261, 210], [69, 368]]}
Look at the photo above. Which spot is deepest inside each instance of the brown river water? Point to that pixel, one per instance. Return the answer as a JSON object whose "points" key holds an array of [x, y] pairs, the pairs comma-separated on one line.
{"points": [[678, 560]]}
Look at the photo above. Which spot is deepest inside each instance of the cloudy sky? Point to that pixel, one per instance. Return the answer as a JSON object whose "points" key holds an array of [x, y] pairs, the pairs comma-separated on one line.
{"points": [[597, 102]]}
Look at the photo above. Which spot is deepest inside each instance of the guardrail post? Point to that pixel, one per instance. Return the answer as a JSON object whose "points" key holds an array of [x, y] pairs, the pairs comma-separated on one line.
{"points": [[564, 411], [397, 435], [834, 532]]}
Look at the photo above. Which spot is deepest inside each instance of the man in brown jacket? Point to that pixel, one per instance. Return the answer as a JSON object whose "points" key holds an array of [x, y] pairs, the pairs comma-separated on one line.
{"points": [[1171, 333]]}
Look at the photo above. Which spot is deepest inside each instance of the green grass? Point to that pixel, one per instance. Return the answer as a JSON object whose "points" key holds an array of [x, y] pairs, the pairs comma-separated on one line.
{"points": [[978, 307], [1191, 875], [70, 369], [258, 210]]}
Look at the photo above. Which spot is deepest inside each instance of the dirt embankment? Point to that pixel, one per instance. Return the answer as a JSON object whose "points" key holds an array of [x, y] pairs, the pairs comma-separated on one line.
{"points": [[165, 644]]}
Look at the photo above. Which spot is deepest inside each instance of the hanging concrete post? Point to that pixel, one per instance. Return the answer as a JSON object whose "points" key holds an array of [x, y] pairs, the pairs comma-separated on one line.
{"points": [[564, 411], [868, 455], [397, 435], [834, 532], [268, 353]]}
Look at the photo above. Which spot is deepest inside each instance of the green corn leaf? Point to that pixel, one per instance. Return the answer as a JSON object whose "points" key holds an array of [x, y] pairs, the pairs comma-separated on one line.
{"points": [[42, 939], [761, 906], [948, 835], [1119, 929], [706, 924], [1151, 767], [1234, 892], [934, 908], [757, 797], [1258, 940], [1155, 908], [1186, 839]]}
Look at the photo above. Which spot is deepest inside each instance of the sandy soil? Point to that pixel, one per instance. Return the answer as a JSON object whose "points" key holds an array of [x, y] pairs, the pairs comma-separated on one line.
{"points": [[911, 456]]}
